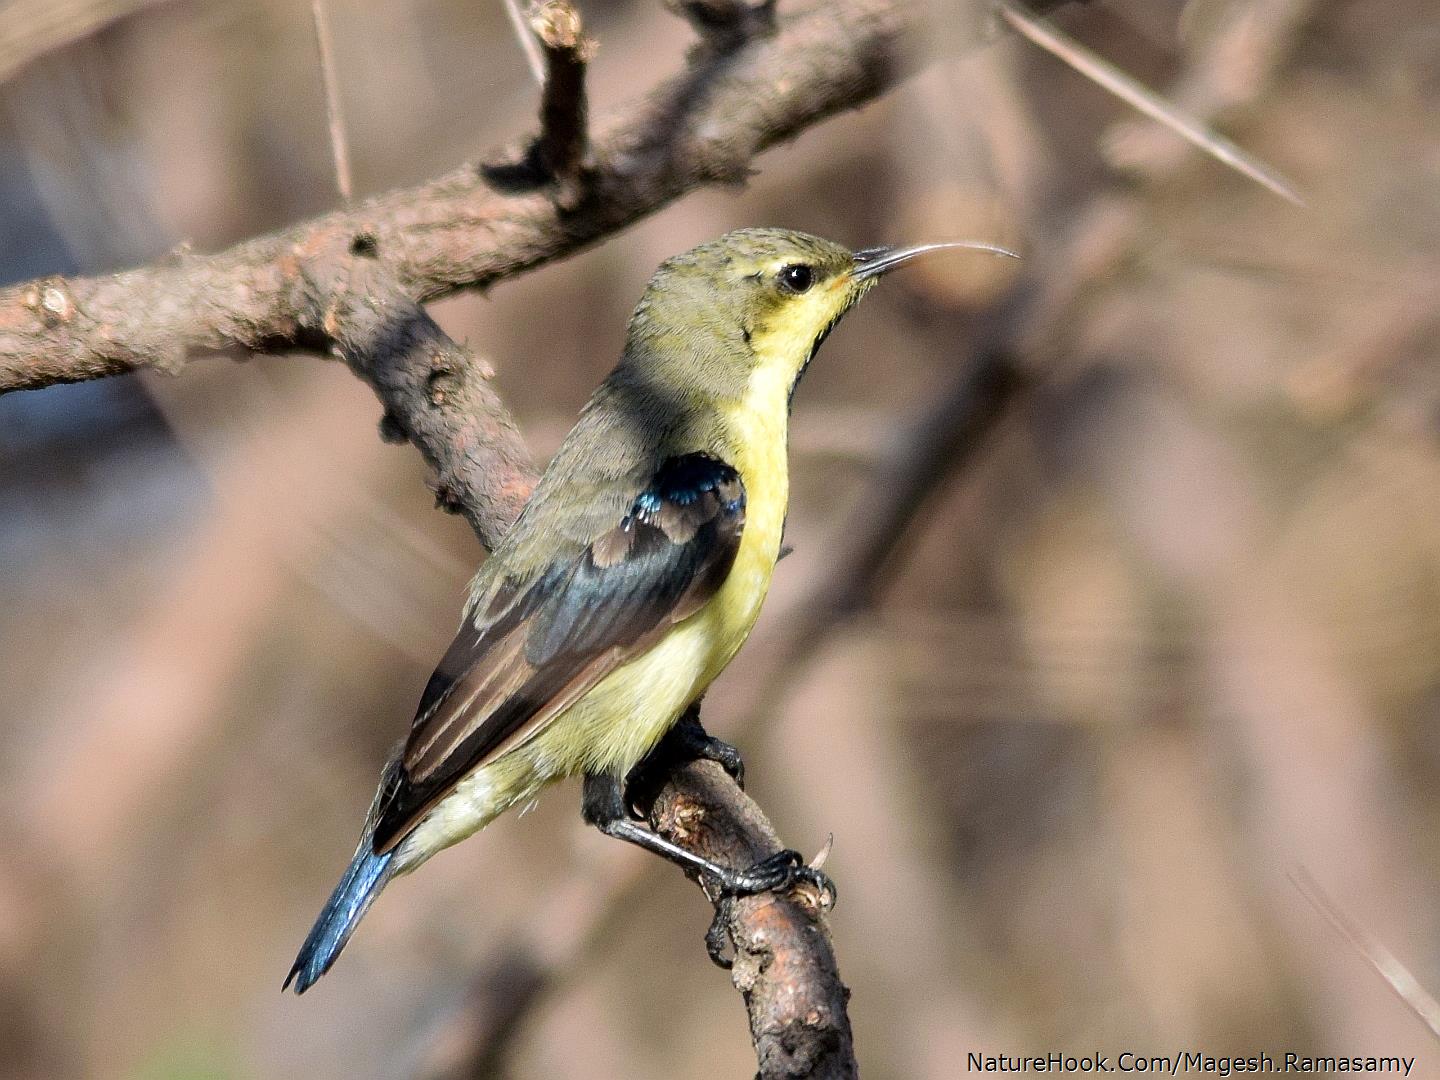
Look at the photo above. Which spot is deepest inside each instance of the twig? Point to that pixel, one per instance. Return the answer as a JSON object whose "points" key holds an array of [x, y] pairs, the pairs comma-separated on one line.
{"points": [[563, 141], [335, 119], [1106, 75], [528, 45], [1396, 975], [1230, 67]]}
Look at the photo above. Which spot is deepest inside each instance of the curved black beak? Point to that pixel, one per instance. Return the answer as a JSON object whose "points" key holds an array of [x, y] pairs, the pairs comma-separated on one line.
{"points": [[873, 262]]}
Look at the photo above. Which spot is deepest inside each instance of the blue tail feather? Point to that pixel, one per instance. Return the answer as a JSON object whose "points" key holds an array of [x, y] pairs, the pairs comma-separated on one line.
{"points": [[362, 882]]}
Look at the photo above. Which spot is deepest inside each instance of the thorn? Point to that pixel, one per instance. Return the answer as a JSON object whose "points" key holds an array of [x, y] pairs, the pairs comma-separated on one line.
{"points": [[818, 897], [339, 145], [818, 862], [1106, 75], [392, 429], [1396, 975]]}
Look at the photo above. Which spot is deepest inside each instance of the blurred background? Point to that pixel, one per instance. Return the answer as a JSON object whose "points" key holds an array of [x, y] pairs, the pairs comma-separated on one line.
{"points": [[1166, 632]]}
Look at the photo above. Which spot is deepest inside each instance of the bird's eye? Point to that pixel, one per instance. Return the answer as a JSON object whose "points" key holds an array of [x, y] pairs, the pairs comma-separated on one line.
{"points": [[796, 278]]}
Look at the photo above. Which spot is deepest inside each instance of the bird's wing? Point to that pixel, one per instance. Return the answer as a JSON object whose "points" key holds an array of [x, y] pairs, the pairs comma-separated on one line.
{"points": [[537, 650]]}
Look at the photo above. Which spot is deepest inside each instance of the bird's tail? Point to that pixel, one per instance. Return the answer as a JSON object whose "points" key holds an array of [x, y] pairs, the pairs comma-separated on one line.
{"points": [[367, 874], [362, 882]]}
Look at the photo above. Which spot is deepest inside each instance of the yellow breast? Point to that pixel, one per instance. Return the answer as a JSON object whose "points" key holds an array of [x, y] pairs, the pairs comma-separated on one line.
{"points": [[619, 721], [759, 427]]}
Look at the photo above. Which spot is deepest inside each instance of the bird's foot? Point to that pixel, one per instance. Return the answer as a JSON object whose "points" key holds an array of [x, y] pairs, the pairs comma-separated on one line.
{"points": [[685, 742], [781, 872]]}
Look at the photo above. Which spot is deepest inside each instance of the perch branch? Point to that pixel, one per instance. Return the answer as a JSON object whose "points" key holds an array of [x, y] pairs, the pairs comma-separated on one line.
{"points": [[783, 964]]}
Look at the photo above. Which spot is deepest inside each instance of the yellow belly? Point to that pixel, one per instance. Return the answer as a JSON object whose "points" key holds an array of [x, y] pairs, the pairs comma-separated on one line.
{"points": [[618, 722], [614, 726]]}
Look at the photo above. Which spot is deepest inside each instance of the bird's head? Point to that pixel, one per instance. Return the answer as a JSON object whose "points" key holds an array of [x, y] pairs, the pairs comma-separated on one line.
{"points": [[757, 301]]}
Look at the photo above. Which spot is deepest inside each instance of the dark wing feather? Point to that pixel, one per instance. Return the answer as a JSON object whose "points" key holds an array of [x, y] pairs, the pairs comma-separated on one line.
{"points": [[537, 650]]}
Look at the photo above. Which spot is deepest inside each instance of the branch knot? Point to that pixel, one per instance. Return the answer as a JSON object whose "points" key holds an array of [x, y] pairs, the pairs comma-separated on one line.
{"points": [[726, 25]]}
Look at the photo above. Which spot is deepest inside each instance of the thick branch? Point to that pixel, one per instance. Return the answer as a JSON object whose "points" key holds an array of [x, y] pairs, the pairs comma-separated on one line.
{"points": [[436, 394], [476, 226]]}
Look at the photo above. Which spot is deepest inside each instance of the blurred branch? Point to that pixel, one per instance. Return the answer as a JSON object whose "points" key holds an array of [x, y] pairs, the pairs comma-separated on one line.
{"points": [[31, 28], [944, 440], [1230, 68], [1396, 975]]}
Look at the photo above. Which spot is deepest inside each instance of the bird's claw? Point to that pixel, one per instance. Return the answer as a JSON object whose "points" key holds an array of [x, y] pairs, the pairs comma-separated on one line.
{"points": [[685, 742], [718, 934], [709, 748], [781, 872]]}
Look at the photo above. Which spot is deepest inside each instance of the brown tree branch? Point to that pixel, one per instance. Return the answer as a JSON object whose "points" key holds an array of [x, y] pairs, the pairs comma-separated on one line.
{"points": [[436, 394], [478, 225], [784, 965]]}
